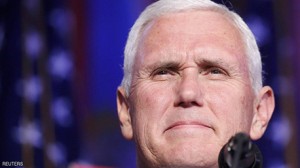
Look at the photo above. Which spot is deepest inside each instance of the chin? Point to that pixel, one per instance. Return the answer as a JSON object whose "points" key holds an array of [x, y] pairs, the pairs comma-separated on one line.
{"points": [[190, 164], [190, 156]]}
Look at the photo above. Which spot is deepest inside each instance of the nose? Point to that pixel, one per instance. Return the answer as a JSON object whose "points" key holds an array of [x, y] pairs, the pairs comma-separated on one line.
{"points": [[189, 90]]}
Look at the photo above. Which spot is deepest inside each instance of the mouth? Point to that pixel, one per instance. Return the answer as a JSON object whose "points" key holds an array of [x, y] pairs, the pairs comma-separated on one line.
{"points": [[188, 125]]}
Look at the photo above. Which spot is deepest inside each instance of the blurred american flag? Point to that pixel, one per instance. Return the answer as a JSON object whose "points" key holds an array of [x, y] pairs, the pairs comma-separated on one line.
{"points": [[37, 123], [57, 87]]}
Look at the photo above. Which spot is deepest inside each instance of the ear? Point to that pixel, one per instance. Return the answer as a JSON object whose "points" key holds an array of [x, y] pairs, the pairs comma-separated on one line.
{"points": [[263, 110], [123, 113]]}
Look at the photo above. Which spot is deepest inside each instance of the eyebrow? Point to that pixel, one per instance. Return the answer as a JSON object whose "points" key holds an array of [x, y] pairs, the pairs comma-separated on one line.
{"points": [[215, 62], [163, 64], [201, 63]]}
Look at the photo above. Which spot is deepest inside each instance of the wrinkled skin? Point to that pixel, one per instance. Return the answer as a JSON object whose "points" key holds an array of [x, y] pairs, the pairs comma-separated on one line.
{"points": [[190, 92]]}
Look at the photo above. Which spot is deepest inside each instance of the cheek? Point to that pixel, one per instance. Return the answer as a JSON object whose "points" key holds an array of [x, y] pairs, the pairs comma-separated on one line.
{"points": [[153, 97], [150, 102], [233, 108]]}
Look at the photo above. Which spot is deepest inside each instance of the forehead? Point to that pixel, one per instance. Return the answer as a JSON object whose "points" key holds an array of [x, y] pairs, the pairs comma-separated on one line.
{"points": [[188, 33], [193, 21]]}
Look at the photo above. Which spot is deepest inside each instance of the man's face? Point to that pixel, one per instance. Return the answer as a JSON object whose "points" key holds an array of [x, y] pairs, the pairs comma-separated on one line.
{"points": [[190, 91]]}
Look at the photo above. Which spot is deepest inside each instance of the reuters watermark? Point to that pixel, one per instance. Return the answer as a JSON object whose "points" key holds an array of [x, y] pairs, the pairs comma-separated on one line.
{"points": [[11, 163]]}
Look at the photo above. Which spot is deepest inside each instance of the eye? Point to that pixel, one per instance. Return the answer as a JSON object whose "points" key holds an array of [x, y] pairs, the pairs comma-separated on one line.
{"points": [[162, 74], [216, 71]]}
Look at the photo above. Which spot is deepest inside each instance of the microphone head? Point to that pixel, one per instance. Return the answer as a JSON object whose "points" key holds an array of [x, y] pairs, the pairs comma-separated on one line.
{"points": [[240, 152]]}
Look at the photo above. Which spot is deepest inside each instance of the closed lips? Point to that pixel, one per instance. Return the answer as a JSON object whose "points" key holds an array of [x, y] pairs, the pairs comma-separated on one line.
{"points": [[187, 124]]}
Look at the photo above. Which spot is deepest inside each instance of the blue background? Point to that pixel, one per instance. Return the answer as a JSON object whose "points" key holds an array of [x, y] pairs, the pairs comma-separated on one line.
{"points": [[61, 63]]}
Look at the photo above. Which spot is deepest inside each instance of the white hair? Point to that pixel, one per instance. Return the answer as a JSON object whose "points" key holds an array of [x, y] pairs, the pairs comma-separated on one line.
{"points": [[163, 7]]}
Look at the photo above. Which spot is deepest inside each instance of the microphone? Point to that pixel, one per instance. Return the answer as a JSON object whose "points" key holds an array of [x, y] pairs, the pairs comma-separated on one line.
{"points": [[240, 152]]}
